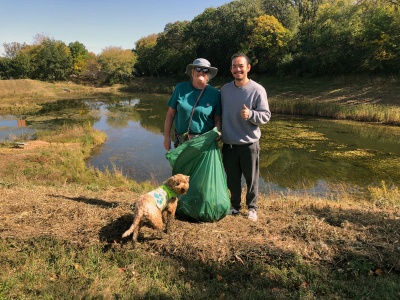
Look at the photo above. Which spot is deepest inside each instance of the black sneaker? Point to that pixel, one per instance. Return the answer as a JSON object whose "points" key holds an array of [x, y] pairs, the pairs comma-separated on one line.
{"points": [[233, 211]]}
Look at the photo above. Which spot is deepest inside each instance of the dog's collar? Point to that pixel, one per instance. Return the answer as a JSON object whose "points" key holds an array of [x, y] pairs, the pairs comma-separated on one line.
{"points": [[170, 193]]}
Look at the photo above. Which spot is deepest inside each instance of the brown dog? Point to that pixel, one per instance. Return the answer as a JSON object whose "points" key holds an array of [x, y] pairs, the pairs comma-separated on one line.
{"points": [[158, 207]]}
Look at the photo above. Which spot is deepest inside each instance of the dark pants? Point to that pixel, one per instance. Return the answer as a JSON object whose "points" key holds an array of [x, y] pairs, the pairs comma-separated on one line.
{"points": [[241, 160]]}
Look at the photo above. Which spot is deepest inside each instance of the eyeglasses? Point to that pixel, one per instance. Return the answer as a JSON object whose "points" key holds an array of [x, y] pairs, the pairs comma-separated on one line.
{"points": [[199, 69]]}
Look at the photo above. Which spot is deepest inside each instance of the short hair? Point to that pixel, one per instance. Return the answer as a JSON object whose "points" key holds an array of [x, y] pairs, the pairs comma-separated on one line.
{"points": [[241, 54]]}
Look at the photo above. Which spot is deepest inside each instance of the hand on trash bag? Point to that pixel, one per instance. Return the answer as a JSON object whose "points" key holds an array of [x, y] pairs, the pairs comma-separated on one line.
{"points": [[218, 138]]}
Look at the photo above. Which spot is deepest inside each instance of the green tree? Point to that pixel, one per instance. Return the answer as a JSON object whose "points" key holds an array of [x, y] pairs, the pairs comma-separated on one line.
{"points": [[16, 63], [267, 43], [347, 37], [219, 33], [80, 57], [285, 11], [146, 63], [379, 45], [22, 65], [308, 8], [52, 60], [173, 51], [92, 68], [19, 66], [327, 43], [4, 67], [117, 64]]}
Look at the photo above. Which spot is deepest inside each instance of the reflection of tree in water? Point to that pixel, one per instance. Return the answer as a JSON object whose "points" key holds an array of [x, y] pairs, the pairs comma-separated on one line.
{"points": [[149, 111], [60, 105], [61, 113], [298, 154], [152, 114]]}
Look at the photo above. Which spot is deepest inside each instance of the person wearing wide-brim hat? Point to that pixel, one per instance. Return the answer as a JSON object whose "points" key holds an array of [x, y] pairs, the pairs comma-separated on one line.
{"points": [[201, 63], [194, 106]]}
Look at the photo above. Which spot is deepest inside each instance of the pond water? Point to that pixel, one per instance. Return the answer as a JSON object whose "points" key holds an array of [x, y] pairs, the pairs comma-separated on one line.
{"points": [[298, 154]]}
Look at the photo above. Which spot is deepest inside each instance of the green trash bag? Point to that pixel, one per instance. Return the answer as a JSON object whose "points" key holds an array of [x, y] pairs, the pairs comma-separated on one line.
{"points": [[207, 198]]}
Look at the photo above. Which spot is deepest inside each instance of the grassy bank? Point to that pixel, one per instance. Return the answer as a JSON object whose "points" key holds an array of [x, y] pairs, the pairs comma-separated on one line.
{"points": [[26, 94], [366, 99]]}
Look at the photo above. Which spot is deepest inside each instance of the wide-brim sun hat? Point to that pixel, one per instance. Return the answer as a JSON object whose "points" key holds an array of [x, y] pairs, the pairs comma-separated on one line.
{"points": [[201, 62]]}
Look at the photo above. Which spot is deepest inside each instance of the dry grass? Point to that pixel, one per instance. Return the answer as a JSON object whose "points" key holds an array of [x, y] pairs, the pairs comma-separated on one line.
{"points": [[321, 232], [25, 94], [301, 248]]}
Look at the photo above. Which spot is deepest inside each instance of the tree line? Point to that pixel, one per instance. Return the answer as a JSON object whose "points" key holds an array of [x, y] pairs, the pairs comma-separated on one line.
{"points": [[281, 37], [51, 60]]}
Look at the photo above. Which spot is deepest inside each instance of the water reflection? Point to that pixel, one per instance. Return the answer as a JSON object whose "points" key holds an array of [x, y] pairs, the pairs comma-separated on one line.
{"points": [[134, 141], [308, 155], [14, 129]]}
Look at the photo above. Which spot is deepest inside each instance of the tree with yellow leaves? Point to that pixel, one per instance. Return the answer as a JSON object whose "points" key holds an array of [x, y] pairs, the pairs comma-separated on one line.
{"points": [[267, 42]]}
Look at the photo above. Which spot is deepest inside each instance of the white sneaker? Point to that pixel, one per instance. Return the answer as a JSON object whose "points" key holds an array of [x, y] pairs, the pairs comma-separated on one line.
{"points": [[252, 215]]}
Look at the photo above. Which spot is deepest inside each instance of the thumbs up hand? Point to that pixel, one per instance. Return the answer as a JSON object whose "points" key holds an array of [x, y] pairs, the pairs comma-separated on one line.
{"points": [[245, 112]]}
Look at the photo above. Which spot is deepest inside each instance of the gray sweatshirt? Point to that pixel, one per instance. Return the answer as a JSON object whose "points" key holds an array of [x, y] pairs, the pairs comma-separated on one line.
{"points": [[236, 130]]}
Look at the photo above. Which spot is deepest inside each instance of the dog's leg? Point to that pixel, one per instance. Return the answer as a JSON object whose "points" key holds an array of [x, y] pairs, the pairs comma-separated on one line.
{"points": [[170, 213], [157, 222], [168, 223], [136, 231]]}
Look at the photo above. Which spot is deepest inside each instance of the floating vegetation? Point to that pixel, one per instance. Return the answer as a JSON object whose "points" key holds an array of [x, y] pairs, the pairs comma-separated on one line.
{"points": [[299, 152], [359, 153]]}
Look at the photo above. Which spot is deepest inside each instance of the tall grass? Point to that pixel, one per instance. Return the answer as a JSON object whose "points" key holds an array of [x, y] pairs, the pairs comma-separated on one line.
{"points": [[385, 195], [363, 112]]}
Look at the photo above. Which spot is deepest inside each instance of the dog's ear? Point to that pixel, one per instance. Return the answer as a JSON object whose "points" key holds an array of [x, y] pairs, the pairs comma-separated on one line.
{"points": [[170, 181]]}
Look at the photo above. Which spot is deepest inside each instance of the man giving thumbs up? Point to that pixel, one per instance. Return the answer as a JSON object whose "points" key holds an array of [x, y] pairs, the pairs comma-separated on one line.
{"points": [[244, 107]]}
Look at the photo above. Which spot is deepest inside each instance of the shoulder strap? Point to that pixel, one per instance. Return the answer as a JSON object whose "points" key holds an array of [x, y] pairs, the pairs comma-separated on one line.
{"points": [[194, 106]]}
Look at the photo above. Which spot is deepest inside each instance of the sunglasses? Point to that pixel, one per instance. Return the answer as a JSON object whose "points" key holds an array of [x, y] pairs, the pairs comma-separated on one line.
{"points": [[199, 69]]}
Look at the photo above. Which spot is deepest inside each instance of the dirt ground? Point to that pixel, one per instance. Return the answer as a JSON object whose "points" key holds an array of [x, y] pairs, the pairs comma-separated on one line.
{"points": [[320, 232]]}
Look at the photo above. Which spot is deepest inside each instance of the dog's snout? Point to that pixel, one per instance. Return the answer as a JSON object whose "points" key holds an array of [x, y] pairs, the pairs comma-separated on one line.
{"points": [[183, 190]]}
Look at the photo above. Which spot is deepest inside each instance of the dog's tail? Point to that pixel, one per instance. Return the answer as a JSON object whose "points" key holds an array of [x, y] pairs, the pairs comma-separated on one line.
{"points": [[135, 225], [128, 232]]}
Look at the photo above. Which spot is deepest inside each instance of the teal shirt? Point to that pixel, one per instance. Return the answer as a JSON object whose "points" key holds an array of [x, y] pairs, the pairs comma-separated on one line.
{"points": [[183, 99]]}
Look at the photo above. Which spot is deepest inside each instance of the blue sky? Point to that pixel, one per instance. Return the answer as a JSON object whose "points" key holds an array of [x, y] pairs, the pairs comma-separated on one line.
{"points": [[95, 23]]}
